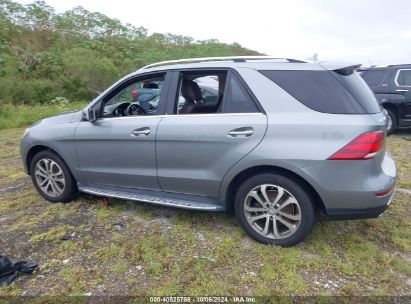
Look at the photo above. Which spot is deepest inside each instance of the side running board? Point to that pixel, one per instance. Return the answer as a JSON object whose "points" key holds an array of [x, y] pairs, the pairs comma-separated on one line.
{"points": [[153, 197]]}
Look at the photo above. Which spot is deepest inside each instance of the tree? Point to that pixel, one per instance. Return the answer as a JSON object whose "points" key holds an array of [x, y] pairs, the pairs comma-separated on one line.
{"points": [[38, 15], [87, 68]]}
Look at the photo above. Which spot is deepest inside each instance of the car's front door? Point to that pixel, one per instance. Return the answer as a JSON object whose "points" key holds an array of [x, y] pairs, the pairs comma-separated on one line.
{"points": [[118, 149], [198, 142]]}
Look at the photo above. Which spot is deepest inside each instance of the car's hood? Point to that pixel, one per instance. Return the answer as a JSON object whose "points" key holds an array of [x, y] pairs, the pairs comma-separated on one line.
{"points": [[65, 117]]}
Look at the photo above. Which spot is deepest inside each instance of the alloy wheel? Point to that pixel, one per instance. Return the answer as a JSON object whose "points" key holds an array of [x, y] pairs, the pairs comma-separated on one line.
{"points": [[272, 211], [49, 177]]}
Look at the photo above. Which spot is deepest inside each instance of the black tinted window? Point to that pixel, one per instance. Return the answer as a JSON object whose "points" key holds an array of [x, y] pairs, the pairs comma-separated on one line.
{"points": [[326, 91], [404, 78], [360, 90], [237, 99], [373, 77]]}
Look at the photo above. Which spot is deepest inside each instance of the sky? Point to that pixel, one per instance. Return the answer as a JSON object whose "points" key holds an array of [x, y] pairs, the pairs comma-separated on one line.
{"points": [[361, 31]]}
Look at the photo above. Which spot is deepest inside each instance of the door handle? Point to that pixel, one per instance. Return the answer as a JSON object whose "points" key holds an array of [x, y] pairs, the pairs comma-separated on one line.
{"points": [[401, 90], [140, 131], [241, 132]]}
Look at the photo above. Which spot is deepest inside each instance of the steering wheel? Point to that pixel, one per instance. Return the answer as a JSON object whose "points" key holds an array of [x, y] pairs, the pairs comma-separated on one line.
{"points": [[135, 109], [119, 112]]}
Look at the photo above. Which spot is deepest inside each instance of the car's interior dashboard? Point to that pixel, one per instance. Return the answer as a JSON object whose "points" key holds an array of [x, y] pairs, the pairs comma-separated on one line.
{"points": [[127, 109]]}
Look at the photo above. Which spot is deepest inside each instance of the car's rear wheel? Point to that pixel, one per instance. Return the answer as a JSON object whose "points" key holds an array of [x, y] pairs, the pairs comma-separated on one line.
{"points": [[52, 178], [391, 121], [274, 209]]}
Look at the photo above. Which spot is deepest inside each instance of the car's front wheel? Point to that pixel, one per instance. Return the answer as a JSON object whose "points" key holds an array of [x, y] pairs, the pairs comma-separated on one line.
{"points": [[52, 178], [274, 209]]}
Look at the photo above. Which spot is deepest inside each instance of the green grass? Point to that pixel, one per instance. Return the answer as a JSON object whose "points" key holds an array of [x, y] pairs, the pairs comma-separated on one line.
{"points": [[53, 234], [74, 277], [119, 267], [400, 147], [9, 144], [12, 116]]}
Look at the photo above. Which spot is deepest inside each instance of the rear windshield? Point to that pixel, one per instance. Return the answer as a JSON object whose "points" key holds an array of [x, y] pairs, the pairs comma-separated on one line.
{"points": [[327, 91], [373, 77]]}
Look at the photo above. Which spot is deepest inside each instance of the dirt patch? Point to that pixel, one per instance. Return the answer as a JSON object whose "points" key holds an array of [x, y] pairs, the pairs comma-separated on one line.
{"points": [[15, 187]]}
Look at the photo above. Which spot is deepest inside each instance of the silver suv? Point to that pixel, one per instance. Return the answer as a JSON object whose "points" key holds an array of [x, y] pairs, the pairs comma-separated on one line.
{"points": [[275, 140]]}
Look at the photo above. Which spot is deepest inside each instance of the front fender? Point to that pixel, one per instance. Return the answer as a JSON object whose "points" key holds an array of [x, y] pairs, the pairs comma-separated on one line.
{"points": [[25, 146], [59, 138]]}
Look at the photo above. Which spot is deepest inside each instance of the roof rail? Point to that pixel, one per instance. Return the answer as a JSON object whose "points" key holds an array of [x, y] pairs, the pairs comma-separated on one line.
{"points": [[211, 59], [399, 64]]}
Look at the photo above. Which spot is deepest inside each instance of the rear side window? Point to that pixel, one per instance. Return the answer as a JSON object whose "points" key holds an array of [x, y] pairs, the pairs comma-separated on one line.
{"points": [[373, 77], [237, 99], [404, 78], [326, 91], [360, 90]]}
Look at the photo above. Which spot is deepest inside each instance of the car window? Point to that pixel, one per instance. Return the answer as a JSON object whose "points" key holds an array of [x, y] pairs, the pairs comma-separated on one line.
{"points": [[360, 91], [210, 93], [237, 99], [209, 96], [200, 93], [404, 78], [373, 77], [140, 97], [327, 91]]}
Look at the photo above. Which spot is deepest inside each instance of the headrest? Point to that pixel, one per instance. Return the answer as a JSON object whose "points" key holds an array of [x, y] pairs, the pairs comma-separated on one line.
{"points": [[191, 91]]}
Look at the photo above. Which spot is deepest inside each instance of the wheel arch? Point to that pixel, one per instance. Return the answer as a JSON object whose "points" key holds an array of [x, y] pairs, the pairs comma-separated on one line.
{"points": [[36, 149], [252, 171]]}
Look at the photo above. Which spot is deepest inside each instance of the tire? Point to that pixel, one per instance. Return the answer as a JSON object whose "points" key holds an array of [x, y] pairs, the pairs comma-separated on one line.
{"points": [[52, 178], [294, 201], [392, 124]]}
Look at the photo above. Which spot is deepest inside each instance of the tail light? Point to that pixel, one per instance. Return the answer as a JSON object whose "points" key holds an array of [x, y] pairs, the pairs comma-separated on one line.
{"points": [[364, 146]]}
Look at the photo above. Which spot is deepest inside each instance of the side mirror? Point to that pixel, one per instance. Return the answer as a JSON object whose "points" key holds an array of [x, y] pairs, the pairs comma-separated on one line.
{"points": [[90, 114]]}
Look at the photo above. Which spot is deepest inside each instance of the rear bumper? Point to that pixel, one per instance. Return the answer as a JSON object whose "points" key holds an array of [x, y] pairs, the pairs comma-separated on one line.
{"points": [[354, 189], [353, 214]]}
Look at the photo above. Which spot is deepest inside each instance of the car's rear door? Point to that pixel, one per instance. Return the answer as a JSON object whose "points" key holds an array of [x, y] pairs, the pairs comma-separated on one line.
{"points": [[195, 151]]}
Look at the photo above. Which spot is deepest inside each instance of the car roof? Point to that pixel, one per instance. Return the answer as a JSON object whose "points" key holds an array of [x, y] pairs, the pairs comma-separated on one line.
{"points": [[254, 62], [386, 67]]}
